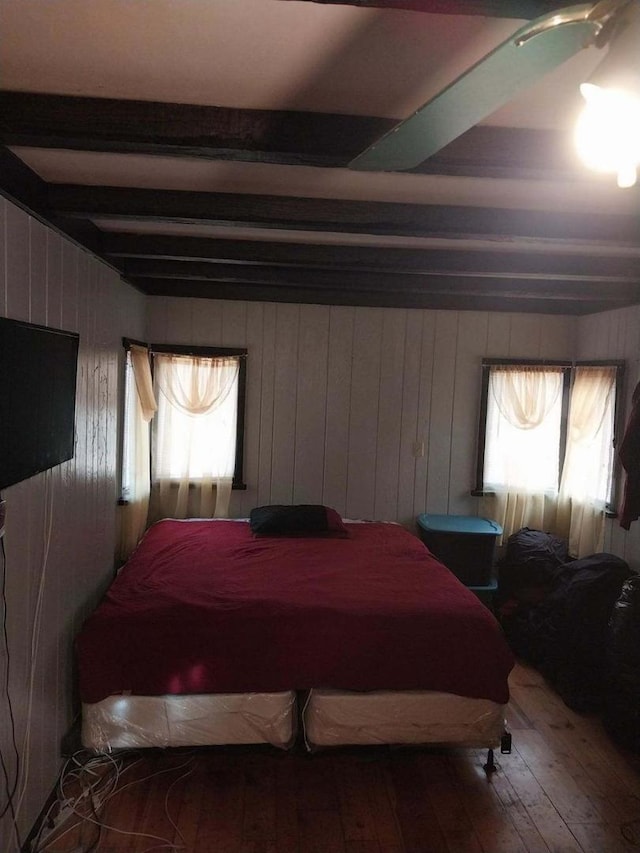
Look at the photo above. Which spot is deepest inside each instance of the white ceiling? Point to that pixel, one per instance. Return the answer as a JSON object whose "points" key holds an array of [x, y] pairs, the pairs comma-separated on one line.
{"points": [[200, 175], [274, 54], [264, 54], [288, 55]]}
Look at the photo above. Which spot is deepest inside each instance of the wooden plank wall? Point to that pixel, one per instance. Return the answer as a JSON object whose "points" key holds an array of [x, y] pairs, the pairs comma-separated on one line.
{"points": [[337, 397], [616, 334], [60, 529]]}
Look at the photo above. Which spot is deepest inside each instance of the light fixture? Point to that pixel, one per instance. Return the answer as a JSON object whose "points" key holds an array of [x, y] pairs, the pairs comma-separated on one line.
{"points": [[607, 133]]}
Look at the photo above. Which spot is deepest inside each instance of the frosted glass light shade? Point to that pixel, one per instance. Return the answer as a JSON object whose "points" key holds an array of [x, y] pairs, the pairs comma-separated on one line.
{"points": [[608, 132]]}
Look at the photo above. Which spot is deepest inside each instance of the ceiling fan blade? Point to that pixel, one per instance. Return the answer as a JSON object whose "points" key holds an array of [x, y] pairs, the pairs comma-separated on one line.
{"points": [[517, 63]]}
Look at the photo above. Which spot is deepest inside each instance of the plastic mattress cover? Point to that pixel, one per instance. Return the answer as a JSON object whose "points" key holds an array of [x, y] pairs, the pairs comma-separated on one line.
{"points": [[333, 718], [122, 722]]}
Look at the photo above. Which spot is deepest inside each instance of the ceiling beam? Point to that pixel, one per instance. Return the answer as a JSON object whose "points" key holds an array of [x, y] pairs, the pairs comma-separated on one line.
{"points": [[406, 299], [20, 183], [24, 187], [185, 130], [355, 217], [392, 259], [487, 151], [487, 8], [263, 136], [531, 287]]}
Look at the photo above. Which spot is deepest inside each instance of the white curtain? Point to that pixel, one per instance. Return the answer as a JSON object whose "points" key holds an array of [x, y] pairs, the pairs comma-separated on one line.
{"points": [[195, 436], [586, 480], [140, 407], [521, 466]]}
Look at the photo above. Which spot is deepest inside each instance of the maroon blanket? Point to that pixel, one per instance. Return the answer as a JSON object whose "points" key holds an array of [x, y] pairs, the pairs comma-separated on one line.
{"points": [[207, 607]]}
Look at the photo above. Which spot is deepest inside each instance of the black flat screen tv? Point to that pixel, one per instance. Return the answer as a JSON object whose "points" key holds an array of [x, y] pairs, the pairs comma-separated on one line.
{"points": [[38, 367]]}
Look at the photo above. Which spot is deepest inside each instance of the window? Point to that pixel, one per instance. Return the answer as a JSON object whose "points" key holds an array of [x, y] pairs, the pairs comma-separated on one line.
{"points": [[200, 393], [523, 428], [546, 443], [195, 453], [195, 408], [196, 424]]}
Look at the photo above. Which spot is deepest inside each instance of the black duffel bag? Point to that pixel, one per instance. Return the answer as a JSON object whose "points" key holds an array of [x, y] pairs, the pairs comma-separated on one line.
{"points": [[566, 634], [530, 562], [622, 708]]}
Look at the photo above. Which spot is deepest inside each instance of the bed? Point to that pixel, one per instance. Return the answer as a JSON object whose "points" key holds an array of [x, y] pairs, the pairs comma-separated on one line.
{"points": [[211, 634]]}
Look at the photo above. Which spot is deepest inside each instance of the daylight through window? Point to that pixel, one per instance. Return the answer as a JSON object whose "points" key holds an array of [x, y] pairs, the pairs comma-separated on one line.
{"points": [[546, 447]]}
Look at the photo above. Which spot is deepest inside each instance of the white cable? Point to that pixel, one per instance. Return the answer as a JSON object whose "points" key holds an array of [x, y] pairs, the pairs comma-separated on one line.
{"points": [[163, 841], [66, 801], [77, 774], [35, 639], [153, 775], [100, 790], [185, 775]]}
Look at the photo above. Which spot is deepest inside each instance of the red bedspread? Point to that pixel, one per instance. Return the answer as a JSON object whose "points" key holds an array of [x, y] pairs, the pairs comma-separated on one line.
{"points": [[207, 607]]}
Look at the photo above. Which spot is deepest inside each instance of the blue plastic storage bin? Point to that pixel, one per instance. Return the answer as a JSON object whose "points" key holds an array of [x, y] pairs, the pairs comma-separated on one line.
{"points": [[464, 543]]}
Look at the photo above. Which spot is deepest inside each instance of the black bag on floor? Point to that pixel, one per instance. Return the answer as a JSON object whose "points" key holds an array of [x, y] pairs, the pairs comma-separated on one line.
{"points": [[530, 562], [566, 634], [622, 707]]}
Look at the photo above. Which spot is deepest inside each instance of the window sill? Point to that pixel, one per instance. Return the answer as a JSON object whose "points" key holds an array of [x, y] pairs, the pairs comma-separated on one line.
{"points": [[195, 483], [481, 493], [236, 487]]}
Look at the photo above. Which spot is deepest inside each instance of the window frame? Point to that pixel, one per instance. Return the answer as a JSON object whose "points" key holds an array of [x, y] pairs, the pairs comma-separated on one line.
{"points": [[241, 353], [568, 368]]}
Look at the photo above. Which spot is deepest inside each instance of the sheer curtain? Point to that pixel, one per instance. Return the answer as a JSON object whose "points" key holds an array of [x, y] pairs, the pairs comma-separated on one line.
{"points": [[140, 407], [524, 408], [586, 480], [195, 435]]}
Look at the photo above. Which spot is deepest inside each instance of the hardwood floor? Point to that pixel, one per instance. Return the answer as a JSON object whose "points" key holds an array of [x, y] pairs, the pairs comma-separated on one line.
{"points": [[565, 787]]}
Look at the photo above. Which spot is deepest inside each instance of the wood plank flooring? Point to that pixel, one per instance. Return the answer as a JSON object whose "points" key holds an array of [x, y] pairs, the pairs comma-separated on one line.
{"points": [[565, 788]]}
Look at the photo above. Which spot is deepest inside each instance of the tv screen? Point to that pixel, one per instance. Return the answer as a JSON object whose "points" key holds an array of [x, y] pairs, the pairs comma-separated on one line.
{"points": [[38, 368]]}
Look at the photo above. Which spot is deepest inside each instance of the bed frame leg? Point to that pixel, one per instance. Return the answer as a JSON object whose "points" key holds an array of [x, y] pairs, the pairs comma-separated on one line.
{"points": [[490, 766], [505, 748]]}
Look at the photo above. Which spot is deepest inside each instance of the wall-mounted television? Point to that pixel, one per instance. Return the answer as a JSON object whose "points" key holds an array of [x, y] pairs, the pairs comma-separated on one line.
{"points": [[38, 367]]}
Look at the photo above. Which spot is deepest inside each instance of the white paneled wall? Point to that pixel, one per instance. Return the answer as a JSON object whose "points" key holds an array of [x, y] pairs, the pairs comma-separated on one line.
{"points": [[338, 397], [616, 334], [60, 528]]}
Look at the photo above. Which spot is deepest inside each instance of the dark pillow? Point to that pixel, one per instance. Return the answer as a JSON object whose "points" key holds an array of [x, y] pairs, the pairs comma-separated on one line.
{"points": [[296, 520]]}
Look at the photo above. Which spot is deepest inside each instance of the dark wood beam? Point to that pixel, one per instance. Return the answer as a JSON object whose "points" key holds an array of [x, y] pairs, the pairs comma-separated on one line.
{"points": [[20, 183], [362, 258], [276, 137], [24, 187], [340, 296], [363, 280], [487, 151], [185, 130], [358, 217], [486, 8]]}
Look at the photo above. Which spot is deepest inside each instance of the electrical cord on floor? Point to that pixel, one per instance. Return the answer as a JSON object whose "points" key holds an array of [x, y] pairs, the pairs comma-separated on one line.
{"points": [[10, 787], [95, 779]]}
